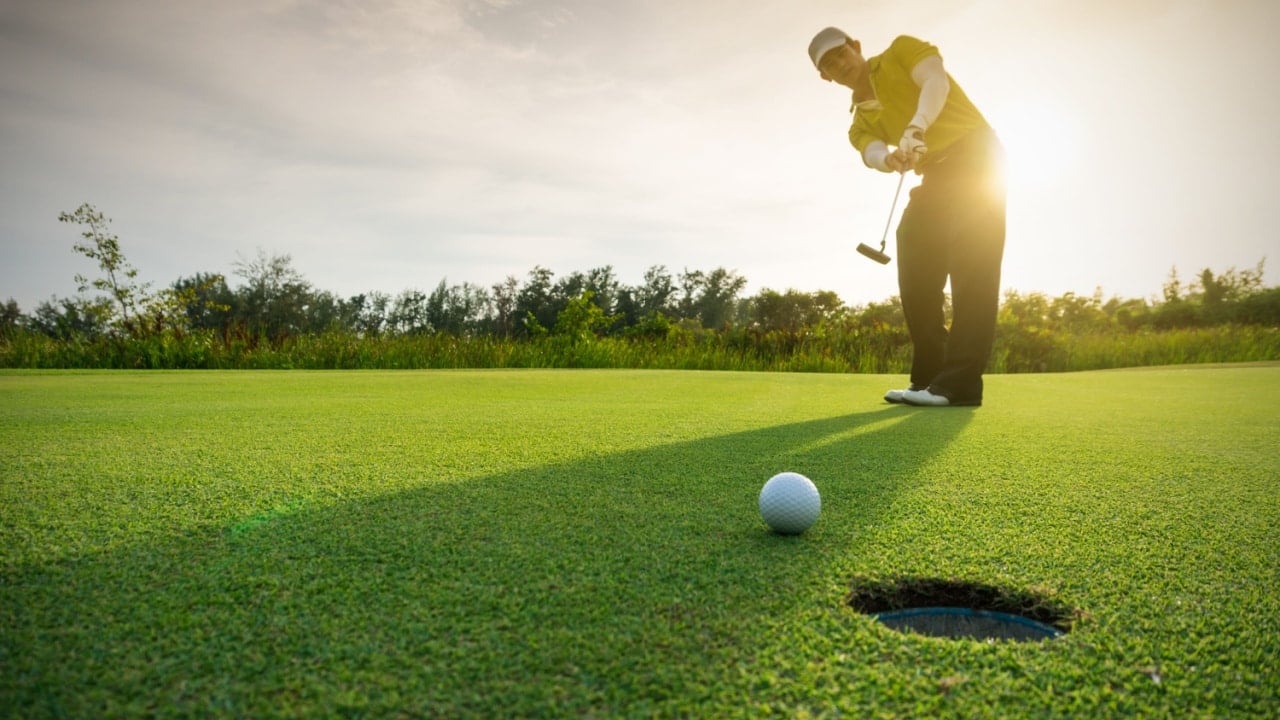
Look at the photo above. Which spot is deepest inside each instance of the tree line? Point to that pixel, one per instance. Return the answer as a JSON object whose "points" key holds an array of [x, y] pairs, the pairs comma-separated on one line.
{"points": [[274, 302]]}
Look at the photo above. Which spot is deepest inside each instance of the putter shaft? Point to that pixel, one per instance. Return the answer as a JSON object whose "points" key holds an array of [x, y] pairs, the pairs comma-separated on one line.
{"points": [[885, 235]]}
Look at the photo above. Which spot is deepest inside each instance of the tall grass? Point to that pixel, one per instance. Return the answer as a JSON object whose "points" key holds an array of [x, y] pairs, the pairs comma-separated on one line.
{"points": [[1046, 352], [885, 350]]}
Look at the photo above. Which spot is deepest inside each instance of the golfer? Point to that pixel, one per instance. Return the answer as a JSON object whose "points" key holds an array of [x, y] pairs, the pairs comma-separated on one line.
{"points": [[954, 224]]}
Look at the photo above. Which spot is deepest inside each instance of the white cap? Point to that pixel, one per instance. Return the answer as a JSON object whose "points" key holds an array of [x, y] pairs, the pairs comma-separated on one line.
{"points": [[829, 39]]}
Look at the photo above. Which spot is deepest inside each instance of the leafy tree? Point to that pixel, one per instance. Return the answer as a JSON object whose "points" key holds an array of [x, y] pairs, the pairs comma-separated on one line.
{"points": [[827, 305], [600, 282], [366, 314], [503, 301], [1222, 295], [457, 309], [710, 298], [102, 247], [348, 315], [169, 311], [1260, 308], [658, 290], [409, 314], [654, 326], [1078, 313], [1172, 287], [72, 318], [533, 328], [627, 309], [880, 315], [788, 312], [1032, 309], [275, 298], [536, 300], [652, 299], [325, 312], [206, 300], [581, 319], [691, 285], [604, 287], [1128, 314], [793, 311], [469, 307], [10, 318]]}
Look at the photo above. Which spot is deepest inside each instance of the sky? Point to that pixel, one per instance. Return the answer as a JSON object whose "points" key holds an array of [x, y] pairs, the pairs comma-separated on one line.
{"points": [[387, 145]]}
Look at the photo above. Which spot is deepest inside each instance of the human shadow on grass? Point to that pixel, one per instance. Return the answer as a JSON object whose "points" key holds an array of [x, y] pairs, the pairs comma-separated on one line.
{"points": [[608, 584]]}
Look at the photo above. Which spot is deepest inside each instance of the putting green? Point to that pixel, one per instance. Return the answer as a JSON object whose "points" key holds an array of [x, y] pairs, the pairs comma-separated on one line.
{"points": [[587, 543]]}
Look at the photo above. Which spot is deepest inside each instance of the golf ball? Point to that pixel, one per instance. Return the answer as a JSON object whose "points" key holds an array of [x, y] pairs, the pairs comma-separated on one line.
{"points": [[789, 503]]}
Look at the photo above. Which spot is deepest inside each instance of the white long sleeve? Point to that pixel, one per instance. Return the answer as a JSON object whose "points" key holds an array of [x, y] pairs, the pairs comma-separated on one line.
{"points": [[875, 154], [934, 88]]}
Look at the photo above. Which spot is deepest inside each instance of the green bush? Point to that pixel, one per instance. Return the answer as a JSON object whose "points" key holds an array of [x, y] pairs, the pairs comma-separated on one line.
{"points": [[840, 349]]}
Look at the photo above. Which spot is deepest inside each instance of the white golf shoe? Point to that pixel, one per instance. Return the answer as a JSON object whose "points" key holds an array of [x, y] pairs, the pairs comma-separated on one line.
{"points": [[928, 398], [924, 398], [899, 396]]}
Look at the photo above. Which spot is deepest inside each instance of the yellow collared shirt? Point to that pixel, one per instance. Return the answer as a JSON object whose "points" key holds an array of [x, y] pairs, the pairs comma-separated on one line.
{"points": [[898, 95]]}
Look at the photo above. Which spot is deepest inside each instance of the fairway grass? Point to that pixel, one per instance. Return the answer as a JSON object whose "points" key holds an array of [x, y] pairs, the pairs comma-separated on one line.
{"points": [[587, 544]]}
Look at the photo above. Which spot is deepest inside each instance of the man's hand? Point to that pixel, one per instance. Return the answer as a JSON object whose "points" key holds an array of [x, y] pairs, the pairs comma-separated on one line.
{"points": [[911, 149]]}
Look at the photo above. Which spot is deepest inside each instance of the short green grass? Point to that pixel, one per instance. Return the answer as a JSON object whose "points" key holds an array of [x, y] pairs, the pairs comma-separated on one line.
{"points": [[587, 544]]}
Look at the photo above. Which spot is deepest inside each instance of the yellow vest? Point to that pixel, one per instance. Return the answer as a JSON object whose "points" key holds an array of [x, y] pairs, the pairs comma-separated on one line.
{"points": [[890, 74]]}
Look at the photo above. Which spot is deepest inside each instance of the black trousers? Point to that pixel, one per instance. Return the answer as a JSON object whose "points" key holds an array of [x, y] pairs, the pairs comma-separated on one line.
{"points": [[954, 227]]}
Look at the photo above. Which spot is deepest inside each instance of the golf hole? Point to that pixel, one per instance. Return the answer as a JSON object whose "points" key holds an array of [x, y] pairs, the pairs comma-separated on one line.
{"points": [[962, 610]]}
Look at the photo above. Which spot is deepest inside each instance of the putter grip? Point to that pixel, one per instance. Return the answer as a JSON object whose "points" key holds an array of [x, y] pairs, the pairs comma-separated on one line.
{"points": [[873, 253]]}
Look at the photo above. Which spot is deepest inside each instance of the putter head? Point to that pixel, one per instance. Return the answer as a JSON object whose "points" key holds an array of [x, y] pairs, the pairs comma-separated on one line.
{"points": [[873, 253]]}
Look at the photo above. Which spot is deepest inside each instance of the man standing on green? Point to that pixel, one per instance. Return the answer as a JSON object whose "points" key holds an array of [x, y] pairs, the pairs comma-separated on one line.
{"points": [[953, 225]]}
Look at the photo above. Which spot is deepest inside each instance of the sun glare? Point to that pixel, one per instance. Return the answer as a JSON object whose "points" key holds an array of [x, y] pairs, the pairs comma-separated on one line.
{"points": [[1041, 143]]}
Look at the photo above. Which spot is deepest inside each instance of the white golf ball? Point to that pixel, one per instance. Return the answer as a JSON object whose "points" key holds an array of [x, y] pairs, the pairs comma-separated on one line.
{"points": [[789, 503]]}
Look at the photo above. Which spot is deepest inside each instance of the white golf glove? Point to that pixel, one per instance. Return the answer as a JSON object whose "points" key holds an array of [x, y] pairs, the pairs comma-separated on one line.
{"points": [[912, 144]]}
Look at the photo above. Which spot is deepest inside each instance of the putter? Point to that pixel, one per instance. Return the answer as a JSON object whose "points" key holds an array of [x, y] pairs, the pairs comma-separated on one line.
{"points": [[878, 255]]}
